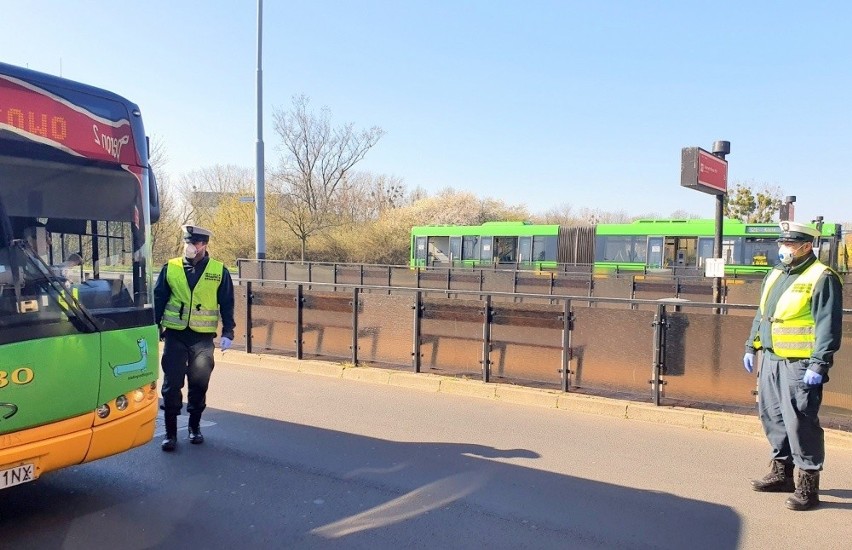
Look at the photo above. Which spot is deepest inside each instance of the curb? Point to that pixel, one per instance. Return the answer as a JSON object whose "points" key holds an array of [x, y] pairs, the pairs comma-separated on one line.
{"points": [[521, 395]]}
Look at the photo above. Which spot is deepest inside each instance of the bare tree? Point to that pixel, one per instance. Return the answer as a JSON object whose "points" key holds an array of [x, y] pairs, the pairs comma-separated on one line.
{"points": [[682, 214], [561, 215], [315, 161], [211, 198], [365, 196], [164, 237]]}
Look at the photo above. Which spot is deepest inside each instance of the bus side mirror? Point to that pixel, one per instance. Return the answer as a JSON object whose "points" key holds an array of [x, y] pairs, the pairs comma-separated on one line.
{"points": [[153, 196]]}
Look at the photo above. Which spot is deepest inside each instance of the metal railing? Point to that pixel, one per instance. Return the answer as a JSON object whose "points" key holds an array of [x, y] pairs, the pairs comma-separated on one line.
{"points": [[667, 352], [633, 285]]}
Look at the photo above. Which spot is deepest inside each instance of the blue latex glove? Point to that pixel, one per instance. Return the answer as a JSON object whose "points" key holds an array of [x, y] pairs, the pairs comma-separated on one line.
{"points": [[748, 362], [812, 378], [225, 344]]}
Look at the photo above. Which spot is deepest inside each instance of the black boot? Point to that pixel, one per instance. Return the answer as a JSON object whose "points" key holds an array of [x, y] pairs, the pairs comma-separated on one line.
{"points": [[170, 441], [807, 493], [195, 436], [778, 480]]}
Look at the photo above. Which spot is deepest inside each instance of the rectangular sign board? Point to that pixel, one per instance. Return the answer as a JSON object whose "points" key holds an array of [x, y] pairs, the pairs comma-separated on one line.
{"points": [[703, 171], [714, 267]]}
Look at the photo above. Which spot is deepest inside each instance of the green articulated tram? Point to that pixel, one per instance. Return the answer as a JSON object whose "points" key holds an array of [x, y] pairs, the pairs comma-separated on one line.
{"points": [[643, 245]]}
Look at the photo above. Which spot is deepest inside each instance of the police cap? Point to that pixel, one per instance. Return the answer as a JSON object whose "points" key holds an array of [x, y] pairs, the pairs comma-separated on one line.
{"points": [[195, 234], [797, 232]]}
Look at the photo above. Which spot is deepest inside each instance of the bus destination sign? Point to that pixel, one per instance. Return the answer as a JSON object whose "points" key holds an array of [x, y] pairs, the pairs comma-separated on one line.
{"points": [[703, 171], [41, 116]]}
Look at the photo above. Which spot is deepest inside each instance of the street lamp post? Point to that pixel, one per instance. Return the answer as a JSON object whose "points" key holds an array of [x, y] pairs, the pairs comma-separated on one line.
{"points": [[259, 193], [720, 149]]}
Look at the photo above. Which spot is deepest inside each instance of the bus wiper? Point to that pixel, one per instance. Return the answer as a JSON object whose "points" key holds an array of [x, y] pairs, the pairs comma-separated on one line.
{"points": [[70, 301]]}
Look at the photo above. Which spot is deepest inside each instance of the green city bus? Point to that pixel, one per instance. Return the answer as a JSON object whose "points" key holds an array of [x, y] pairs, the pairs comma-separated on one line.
{"points": [[78, 343], [643, 245]]}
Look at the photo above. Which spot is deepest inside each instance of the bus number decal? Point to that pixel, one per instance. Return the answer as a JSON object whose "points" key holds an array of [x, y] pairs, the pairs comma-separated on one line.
{"points": [[112, 145], [20, 376]]}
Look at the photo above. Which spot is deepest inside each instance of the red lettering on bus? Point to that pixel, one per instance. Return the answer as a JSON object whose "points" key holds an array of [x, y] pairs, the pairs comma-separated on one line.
{"points": [[41, 129], [58, 128], [38, 124], [10, 118]]}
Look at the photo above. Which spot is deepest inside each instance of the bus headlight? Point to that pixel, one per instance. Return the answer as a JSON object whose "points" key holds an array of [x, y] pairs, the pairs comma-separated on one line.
{"points": [[138, 395], [103, 411], [121, 402]]}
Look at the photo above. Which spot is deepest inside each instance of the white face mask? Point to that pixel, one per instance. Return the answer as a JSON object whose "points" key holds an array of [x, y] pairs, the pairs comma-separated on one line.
{"points": [[786, 253], [189, 251]]}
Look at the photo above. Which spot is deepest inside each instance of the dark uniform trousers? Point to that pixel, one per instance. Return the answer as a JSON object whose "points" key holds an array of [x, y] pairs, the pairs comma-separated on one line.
{"points": [[190, 358], [789, 412]]}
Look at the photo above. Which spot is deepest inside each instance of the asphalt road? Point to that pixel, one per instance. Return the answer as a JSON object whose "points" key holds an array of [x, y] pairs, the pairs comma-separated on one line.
{"points": [[303, 461]]}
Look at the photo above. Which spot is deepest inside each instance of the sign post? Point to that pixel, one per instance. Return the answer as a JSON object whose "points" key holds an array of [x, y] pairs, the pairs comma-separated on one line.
{"points": [[708, 173]]}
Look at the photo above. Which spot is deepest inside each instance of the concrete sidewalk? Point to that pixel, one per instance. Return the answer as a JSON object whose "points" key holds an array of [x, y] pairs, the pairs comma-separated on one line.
{"points": [[628, 410]]}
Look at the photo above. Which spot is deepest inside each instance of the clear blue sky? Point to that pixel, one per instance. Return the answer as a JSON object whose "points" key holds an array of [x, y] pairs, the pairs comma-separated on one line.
{"points": [[535, 102]]}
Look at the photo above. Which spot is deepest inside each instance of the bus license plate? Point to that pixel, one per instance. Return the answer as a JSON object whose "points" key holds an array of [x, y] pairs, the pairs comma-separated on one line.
{"points": [[17, 475]]}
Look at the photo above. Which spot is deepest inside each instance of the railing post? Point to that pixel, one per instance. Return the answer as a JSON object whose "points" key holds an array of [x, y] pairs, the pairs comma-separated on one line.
{"points": [[355, 325], [486, 340], [361, 272], [660, 323], [300, 304], [633, 305], [248, 316], [416, 277], [418, 315], [567, 327], [591, 286]]}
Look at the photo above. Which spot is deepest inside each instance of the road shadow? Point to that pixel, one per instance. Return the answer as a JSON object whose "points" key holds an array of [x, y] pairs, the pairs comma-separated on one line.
{"points": [[262, 483]]}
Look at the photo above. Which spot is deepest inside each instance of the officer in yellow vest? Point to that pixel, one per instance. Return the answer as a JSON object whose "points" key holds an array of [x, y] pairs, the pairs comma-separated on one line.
{"points": [[193, 293], [798, 328]]}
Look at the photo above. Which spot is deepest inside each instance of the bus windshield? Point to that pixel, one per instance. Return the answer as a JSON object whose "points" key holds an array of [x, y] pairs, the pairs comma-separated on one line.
{"points": [[78, 202]]}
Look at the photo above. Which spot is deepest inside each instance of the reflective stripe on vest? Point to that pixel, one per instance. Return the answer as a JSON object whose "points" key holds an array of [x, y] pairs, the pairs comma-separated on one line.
{"points": [[197, 309], [793, 326]]}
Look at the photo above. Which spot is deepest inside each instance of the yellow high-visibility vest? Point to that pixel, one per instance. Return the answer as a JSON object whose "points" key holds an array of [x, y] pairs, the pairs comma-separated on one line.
{"points": [[197, 309], [793, 326]]}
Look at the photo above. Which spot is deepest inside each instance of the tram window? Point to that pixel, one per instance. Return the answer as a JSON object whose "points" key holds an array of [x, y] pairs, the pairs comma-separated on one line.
{"points": [[732, 251], [640, 249], [759, 251], [620, 249], [487, 254], [506, 249], [470, 247], [824, 252], [705, 249], [420, 248], [544, 249]]}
